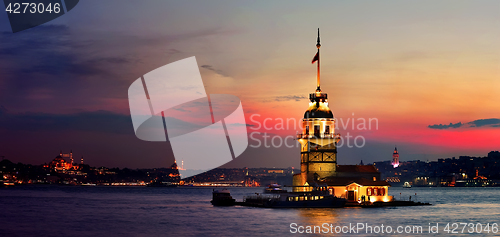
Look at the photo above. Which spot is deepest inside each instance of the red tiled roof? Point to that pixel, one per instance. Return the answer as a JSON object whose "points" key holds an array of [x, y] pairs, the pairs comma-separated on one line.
{"points": [[344, 181]]}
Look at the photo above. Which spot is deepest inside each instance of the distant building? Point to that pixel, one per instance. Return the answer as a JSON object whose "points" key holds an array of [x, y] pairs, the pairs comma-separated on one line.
{"points": [[275, 171], [395, 158], [60, 164]]}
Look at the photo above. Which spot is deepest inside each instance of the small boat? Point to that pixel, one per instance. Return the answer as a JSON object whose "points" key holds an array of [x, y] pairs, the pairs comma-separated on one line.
{"points": [[274, 188], [222, 198], [88, 184], [8, 183], [406, 185], [157, 183]]}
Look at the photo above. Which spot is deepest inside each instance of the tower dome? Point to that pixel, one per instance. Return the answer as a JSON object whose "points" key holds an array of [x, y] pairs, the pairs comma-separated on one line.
{"points": [[318, 107], [315, 111]]}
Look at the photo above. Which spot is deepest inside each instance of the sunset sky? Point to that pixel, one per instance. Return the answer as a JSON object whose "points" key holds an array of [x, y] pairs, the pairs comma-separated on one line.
{"points": [[412, 65]]}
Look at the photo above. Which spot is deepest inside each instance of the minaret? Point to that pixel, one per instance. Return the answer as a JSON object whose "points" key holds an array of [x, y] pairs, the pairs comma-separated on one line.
{"points": [[395, 158], [318, 139], [71, 157]]}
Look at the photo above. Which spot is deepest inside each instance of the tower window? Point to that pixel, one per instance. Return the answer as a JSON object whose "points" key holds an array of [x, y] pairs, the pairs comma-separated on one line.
{"points": [[316, 130], [327, 129], [307, 129]]}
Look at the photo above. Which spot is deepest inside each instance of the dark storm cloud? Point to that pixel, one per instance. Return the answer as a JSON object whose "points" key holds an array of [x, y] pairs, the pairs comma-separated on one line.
{"points": [[290, 97], [54, 57], [47, 35], [98, 121], [112, 60], [173, 51], [211, 68], [491, 122], [63, 64], [53, 63], [41, 49], [444, 126], [50, 50], [45, 57]]}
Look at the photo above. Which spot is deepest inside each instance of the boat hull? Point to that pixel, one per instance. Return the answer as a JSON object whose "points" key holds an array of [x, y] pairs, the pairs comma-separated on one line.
{"points": [[228, 202], [293, 200], [325, 203]]}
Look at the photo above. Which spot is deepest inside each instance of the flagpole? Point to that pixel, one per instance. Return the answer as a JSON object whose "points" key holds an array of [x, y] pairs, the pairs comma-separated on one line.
{"points": [[318, 45]]}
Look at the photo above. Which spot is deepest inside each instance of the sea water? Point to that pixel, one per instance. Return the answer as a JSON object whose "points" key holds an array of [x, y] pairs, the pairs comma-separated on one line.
{"points": [[51, 210]]}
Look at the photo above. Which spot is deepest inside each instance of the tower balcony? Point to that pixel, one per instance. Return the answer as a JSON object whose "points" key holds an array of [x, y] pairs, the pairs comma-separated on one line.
{"points": [[319, 135], [318, 97]]}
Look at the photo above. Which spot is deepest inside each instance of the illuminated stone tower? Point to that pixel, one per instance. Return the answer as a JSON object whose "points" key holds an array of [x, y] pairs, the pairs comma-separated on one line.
{"points": [[318, 152], [395, 158]]}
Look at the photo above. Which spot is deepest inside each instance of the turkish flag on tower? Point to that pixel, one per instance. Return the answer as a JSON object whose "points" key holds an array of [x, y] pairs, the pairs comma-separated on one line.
{"points": [[316, 58]]}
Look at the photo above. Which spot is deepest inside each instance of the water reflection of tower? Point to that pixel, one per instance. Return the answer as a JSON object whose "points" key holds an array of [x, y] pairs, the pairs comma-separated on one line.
{"points": [[318, 139], [395, 158]]}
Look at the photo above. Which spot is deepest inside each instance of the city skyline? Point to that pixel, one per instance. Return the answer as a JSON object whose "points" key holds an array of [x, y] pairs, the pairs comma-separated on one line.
{"points": [[426, 71]]}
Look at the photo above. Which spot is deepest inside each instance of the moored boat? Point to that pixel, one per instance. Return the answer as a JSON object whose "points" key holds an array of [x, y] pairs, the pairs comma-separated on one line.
{"points": [[294, 200], [222, 198]]}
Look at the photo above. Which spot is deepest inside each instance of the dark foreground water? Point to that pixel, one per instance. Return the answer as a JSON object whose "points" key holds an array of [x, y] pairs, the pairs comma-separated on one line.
{"points": [[186, 211]]}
